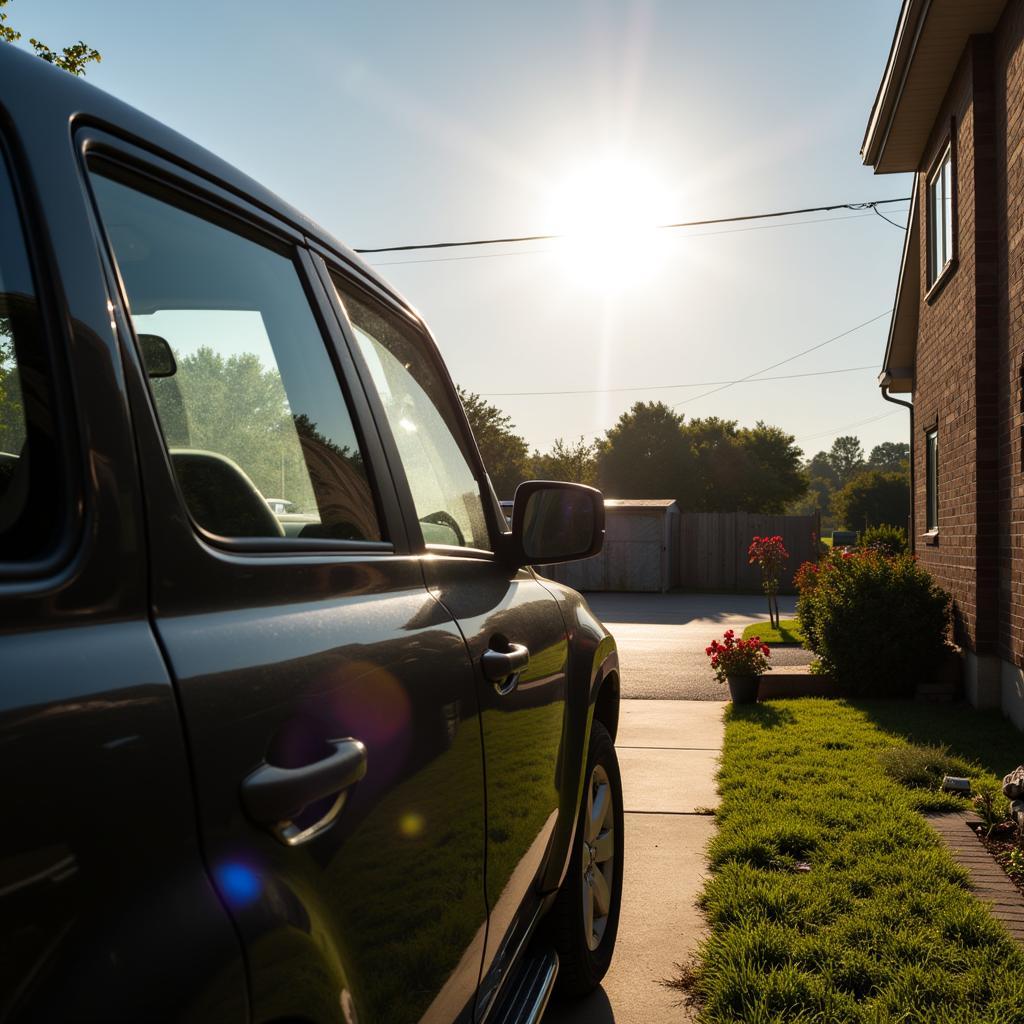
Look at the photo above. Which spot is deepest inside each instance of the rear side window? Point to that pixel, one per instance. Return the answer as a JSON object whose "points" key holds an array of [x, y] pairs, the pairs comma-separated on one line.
{"points": [[32, 496], [420, 413], [257, 427]]}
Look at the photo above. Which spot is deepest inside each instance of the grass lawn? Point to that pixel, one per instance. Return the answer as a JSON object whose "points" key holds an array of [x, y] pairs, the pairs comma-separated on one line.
{"points": [[831, 899], [787, 633]]}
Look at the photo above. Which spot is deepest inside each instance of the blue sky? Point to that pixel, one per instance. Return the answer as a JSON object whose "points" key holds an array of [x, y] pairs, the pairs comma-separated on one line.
{"points": [[397, 122]]}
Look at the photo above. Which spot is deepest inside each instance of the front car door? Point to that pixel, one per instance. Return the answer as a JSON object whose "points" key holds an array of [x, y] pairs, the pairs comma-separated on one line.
{"points": [[331, 714], [454, 520]]}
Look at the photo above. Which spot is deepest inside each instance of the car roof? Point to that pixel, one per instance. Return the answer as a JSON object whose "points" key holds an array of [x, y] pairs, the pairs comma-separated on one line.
{"points": [[79, 101]]}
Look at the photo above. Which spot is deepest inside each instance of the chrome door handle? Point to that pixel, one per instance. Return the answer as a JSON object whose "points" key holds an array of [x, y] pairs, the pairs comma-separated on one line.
{"points": [[276, 796], [504, 667]]}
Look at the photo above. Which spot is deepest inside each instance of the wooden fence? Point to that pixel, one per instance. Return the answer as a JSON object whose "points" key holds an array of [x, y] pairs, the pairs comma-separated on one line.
{"points": [[713, 548]]}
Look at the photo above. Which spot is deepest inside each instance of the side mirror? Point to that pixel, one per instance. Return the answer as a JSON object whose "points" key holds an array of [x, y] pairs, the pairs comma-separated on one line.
{"points": [[157, 357], [556, 522]]}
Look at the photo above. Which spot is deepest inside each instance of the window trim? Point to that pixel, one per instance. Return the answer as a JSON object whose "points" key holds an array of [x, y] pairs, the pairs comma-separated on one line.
{"points": [[946, 148], [931, 484], [71, 524], [169, 184], [329, 267]]}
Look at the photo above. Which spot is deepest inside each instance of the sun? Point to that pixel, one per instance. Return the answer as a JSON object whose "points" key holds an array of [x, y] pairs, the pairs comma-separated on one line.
{"points": [[607, 212]]}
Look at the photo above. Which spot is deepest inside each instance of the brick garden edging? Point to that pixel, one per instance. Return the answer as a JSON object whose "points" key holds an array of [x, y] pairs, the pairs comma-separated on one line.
{"points": [[988, 880]]}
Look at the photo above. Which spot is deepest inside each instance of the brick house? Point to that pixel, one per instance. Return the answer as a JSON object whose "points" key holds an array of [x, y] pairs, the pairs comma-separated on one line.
{"points": [[950, 109]]}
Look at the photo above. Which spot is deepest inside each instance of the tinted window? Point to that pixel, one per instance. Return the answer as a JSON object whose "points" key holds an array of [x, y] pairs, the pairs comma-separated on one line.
{"points": [[259, 433], [30, 487], [419, 408]]}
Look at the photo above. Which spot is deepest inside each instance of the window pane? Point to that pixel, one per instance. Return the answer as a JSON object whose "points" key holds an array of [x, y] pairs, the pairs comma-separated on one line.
{"points": [[932, 467], [258, 430], [947, 209], [418, 407], [30, 500], [935, 233]]}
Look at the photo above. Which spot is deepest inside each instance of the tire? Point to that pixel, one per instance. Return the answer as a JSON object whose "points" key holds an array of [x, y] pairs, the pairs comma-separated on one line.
{"points": [[584, 963]]}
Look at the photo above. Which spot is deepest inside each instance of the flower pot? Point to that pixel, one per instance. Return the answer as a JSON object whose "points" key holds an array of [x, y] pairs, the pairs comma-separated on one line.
{"points": [[743, 689]]}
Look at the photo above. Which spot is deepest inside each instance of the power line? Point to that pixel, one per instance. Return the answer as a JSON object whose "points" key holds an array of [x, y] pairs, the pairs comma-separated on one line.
{"points": [[869, 205], [781, 362], [700, 234], [848, 426], [666, 387], [899, 227]]}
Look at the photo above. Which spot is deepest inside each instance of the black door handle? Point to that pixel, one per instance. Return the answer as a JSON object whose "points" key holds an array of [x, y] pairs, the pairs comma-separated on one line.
{"points": [[498, 666], [275, 796]]}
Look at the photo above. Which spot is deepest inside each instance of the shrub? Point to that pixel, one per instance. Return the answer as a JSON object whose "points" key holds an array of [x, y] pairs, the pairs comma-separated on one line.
{"points": [[877, 624], [889, 540], [805, 581], [993, 808], [921, 766]]}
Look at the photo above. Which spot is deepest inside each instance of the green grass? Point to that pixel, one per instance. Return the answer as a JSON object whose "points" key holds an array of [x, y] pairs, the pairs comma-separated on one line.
{"points": [[882, 928], [827, 541], [787, 633]]}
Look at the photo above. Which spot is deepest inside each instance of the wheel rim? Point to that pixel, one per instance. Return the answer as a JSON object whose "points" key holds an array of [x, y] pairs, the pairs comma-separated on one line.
{"points": [[598, 856]]}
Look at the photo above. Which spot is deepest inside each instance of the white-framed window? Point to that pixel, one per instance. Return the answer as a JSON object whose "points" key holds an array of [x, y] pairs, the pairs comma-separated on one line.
{"points": [[931, 439], [940, 216]]}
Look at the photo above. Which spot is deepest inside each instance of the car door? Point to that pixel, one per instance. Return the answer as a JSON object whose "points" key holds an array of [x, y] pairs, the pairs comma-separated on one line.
{"points": [[101, 878], [515, 636], [331, 715]]}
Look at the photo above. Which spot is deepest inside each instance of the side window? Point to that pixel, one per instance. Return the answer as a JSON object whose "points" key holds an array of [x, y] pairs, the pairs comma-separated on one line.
{"points": [[940, 216], [258, 432], [931, 440], [419, 410], [31, 492]]}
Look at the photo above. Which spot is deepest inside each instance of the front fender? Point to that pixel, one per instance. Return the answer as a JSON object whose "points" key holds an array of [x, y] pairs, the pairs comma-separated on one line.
{"points": [[592, 686]]}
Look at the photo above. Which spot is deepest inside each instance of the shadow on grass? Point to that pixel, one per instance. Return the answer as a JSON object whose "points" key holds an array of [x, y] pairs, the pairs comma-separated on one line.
{"points": [[768, 716], [986, 737]]}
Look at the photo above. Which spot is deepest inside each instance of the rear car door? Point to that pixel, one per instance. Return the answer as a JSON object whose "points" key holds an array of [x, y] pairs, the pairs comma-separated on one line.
{"points": [[102, 883], [515, 636], [331, 714]]}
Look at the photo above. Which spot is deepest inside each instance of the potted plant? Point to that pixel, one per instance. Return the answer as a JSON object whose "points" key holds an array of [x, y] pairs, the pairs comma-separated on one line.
{"points": [[740, 663]]}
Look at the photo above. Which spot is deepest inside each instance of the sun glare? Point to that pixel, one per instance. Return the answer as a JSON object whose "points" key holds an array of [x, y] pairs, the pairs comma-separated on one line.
{"points": [[608, 211]]}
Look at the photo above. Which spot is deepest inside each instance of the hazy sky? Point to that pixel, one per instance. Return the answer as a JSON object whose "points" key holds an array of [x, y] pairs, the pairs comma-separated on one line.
{"points": [[405, 122]]}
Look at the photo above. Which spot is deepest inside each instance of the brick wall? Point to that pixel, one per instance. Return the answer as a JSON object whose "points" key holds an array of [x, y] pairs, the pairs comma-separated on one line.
{"points": [[946, 368], [970, 358], [1008, 62]]}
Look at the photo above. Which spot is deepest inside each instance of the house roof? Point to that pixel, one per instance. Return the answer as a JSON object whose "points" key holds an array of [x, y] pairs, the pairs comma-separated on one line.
{"points": [[928, 43], [926, 48], [901, 348]]}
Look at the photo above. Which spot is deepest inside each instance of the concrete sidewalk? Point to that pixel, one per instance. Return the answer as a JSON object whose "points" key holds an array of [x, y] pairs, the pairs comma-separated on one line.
{"points": [[668, 753]]}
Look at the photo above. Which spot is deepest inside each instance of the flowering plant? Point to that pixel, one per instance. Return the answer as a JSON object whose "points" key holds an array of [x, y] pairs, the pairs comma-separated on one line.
{"points": [[734, 657], [771, 555]]}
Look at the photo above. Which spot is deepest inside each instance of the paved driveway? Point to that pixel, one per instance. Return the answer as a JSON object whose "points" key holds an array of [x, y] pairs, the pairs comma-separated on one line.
{"points": [[662, 637]]}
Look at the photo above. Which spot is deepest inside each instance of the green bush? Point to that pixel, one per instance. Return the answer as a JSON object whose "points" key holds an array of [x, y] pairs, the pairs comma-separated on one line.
{"points": [[878, 624], [889, 540]]}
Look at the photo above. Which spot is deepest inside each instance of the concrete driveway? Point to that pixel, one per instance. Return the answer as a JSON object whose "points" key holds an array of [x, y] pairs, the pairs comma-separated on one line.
{"points": [[662, 637]]}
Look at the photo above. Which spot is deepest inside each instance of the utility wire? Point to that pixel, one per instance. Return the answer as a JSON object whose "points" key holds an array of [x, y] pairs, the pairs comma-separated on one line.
{"points": [[899, 227], [700, 234], [869, 205], [781, 362], [667, 387], [847, 426]]}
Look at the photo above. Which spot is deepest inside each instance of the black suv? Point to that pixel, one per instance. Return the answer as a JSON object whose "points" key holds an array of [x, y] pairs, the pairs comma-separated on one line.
{"points": [[348, 762]]}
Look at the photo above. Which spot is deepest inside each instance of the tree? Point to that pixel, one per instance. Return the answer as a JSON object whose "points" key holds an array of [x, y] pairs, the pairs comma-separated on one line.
{"points": [[645, 455], [873, 498], [575, 463], [719, 465], [72, 59], [773, 478], [506, 455], [846, 457], [890, 457]]}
